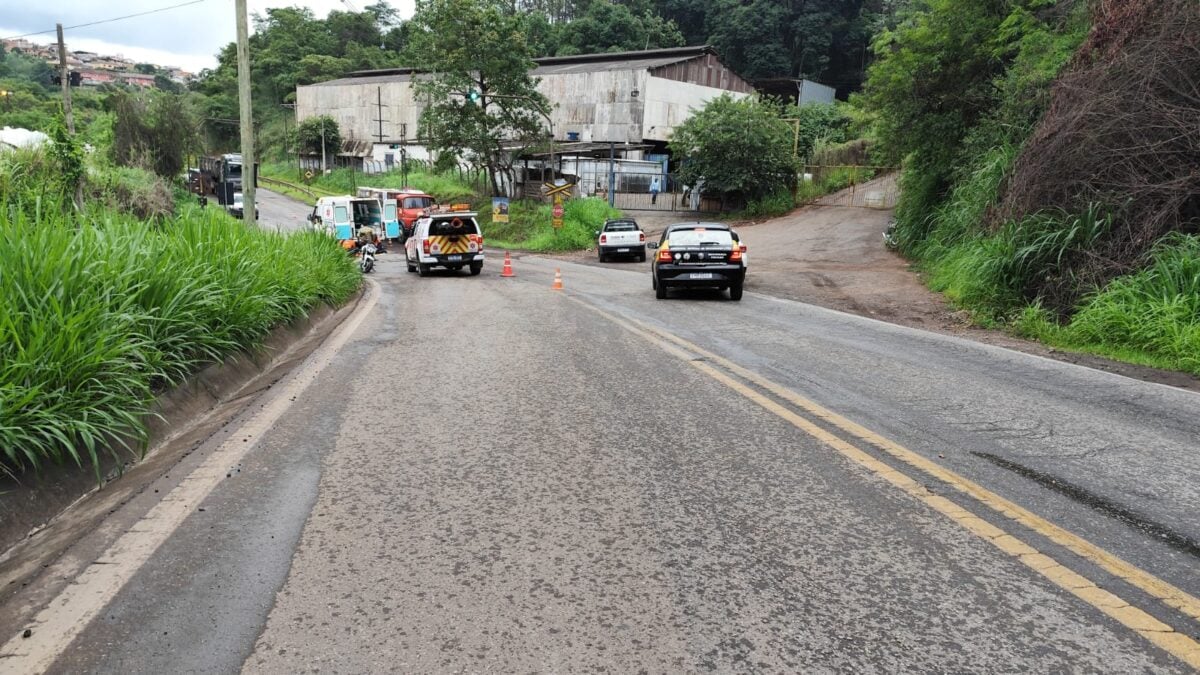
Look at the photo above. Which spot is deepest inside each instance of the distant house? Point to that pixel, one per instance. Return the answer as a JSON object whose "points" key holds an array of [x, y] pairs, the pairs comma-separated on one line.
{"points": [[94, 77], [136, 79], [632, 99]]}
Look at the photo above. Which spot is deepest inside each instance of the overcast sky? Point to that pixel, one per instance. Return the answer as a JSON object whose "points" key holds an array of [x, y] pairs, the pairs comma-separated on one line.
{"points": [[187, 37]]}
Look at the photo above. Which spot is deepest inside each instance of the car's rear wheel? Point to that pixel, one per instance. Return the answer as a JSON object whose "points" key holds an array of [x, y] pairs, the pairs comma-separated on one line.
{"points": [[641, 257], [603, 258], [735, 292], [476, 268], [660, 290], [423, 269]]}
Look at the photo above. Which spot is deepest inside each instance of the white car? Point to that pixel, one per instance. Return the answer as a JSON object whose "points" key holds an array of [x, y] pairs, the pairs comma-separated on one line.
{"points": [[452, 240], [621, 237]]}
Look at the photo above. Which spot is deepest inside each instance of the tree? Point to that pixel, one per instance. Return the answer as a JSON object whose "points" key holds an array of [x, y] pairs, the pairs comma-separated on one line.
{"points": [[736, 147], [320, 132], [153, 132], [608, 27], [820, 123], [488, 59], [146, 68]]}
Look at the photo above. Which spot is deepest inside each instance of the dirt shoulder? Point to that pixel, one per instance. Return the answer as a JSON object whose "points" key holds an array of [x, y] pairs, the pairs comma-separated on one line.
{"points": [[834, 257]]}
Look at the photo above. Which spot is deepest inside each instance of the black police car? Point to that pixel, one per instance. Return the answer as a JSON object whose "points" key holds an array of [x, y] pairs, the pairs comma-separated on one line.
{"points": [[698, 255]]}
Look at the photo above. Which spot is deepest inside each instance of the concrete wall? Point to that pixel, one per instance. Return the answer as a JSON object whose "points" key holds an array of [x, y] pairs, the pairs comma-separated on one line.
{"points": [[599, 105], [814, 92], [670, 103], [355, 108]]}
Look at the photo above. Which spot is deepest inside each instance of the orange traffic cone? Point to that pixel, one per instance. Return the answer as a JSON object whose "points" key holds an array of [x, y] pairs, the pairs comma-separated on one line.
{"points": [[557, 280], [507, 271]]}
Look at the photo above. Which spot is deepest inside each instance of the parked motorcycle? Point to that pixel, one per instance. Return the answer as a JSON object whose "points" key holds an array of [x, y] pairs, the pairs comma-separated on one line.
{"points": [[366, 261]]}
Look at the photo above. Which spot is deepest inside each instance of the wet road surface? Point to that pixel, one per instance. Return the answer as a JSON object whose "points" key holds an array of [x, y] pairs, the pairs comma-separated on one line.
{"points": [[493, 476]]}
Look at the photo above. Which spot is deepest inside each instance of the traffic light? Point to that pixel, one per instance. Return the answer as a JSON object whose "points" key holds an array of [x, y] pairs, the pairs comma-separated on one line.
{"points": [[473, 96], [76, 78]]}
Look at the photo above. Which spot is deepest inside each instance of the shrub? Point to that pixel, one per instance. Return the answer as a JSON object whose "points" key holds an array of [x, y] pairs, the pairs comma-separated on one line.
{"points": [[100, 315], [1156, 310], [530, 228]]}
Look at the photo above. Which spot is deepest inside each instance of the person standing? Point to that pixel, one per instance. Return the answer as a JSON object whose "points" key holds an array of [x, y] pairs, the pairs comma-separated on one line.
{"points": [[655, 187]]}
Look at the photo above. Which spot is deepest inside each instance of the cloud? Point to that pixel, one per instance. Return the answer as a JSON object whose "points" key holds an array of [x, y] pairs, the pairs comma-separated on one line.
{"points": [[189, 37]]}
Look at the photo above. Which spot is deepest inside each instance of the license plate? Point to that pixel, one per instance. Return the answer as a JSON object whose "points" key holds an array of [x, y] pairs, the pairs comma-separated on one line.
{"points": [[701, 275], [454, 258], [622, 250]]}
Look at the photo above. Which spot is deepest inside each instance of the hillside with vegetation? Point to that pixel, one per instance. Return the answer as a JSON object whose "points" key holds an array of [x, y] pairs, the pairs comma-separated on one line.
{"points": [[1052, 166]]}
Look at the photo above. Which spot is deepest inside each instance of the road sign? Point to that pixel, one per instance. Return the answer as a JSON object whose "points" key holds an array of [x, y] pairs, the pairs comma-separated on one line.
{"points": [[308, 175], [557, 212], [563, 189]]}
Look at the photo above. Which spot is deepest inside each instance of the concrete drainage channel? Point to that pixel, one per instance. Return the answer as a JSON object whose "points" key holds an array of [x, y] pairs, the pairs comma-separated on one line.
{"points": [[41, 516]]}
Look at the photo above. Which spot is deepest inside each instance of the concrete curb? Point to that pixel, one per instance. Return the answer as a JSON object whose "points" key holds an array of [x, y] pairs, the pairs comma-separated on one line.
{"points": [[180, 421]]}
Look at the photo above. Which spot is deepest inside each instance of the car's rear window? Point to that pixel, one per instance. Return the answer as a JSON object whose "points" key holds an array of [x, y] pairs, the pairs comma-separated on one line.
{"points": [[418, 202], [621, 227], [701, 238], [449, 227]]}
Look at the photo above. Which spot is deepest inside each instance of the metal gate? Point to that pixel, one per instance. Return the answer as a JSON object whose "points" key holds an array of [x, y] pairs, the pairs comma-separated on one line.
{"points": [[633, 192], [871, 187]]}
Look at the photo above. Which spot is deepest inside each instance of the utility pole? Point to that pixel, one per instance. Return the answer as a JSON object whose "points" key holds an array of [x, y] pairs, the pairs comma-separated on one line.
{"points": [[379, 109], [66, 81], [67, 112], [249, 167]]}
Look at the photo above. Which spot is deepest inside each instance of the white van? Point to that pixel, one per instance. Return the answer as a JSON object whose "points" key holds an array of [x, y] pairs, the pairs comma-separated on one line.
{"points": [[342, 216]]}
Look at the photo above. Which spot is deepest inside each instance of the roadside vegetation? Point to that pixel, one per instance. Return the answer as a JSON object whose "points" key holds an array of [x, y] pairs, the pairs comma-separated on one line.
{"points": [[107, 307], [1050, 174], [448, 187], [530, 229]]}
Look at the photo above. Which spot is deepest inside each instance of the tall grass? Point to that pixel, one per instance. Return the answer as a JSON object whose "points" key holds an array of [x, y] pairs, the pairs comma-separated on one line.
{"points": [[98, 317], [1155, 311], [446, 187], [530, 228], [992, 274]]}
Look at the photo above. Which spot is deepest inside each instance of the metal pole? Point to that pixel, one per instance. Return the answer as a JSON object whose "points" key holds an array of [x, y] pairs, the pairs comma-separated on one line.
{"points": [[249, 174], [612, 173], [67, 111], [550, 122], [322, 147]]}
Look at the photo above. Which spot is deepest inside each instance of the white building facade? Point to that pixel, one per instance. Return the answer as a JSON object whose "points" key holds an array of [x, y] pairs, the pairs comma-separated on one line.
{"points": [[629, 98]]}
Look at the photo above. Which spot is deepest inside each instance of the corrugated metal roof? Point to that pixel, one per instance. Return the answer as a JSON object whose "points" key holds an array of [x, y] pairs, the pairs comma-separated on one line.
{"points": [[371, 79], [603, 66], [551, 65]]}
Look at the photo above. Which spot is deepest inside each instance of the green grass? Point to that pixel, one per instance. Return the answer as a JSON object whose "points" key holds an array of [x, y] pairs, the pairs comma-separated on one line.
{"points": [[828, 182], [446, 188], [1150, 317], [992, 275], [99, 316], [529, 227], [779, 204]]}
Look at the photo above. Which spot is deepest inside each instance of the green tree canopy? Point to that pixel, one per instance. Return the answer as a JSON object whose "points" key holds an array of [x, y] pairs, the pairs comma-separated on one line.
{"points": [[313, 129], [736, 147], [475, 46], [609, 27]]}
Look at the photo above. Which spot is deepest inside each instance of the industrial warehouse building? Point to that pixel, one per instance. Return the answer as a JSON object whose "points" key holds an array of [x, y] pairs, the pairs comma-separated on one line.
{"points": [[627, 103]]}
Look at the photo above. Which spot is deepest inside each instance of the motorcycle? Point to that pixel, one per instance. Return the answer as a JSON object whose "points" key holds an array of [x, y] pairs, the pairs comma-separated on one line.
{"points": [[366, 261]]}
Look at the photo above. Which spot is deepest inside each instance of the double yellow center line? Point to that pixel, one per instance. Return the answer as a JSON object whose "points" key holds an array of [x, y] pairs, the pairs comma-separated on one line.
{"points": [[739, 380]]}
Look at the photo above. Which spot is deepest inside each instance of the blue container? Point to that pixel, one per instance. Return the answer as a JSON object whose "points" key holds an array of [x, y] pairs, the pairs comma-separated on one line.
{"points": [[572, 135]]}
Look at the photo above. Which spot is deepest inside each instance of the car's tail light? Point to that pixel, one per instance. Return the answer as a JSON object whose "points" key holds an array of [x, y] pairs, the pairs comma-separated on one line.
{"points": [[425, 246], [736, 255], [641, 236], [604, 239], [742, 248], [664, 255]]}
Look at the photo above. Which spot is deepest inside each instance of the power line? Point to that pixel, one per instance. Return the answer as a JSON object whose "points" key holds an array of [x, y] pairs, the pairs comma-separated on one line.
{"points": [[118, 18]]}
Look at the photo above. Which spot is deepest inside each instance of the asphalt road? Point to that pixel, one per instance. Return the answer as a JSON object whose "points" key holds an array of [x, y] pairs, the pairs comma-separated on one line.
{"points": [[280, 212], [490, 475]]}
